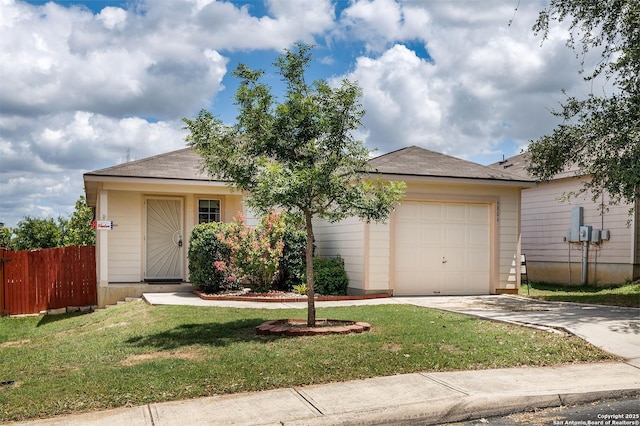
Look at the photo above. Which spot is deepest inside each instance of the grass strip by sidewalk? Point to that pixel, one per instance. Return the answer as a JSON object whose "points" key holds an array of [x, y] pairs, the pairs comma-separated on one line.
{"points": [[135, 353], [623, 295]]}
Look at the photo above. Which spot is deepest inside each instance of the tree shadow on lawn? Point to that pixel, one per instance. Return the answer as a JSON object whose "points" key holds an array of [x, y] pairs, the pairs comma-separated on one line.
{"points": [[49, 318], [212, 334]]}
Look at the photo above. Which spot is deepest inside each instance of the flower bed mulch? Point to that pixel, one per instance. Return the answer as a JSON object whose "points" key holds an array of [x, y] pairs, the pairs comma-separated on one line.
{"points": [[298, 327], [280, 297]]}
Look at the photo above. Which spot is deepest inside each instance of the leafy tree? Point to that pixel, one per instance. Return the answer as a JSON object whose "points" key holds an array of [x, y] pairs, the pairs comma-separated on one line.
{"points": [[5, 238], [299, 154], [78, 230], [34, 233], [600, 134]]}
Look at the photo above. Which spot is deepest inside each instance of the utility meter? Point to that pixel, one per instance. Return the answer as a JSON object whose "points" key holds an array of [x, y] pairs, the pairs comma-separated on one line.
{"points": [[585, 233]]}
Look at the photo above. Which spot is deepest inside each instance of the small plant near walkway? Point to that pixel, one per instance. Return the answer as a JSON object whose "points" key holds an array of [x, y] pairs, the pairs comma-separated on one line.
{"points": [[621, 295], [135, 354]]}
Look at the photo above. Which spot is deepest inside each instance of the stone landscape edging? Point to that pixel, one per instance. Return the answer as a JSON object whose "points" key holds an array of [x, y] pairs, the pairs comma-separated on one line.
{"points": [[267, 299], [296, 327]]}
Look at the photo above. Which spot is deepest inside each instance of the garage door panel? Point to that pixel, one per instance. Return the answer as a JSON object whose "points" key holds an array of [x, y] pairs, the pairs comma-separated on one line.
{"points": [[432, 235], [408, 236], [477, 235], [455, 213], [410, 212], [442, 248], [455, 236], [409, 262], [478, 260], [431, 212], [478, 213]]}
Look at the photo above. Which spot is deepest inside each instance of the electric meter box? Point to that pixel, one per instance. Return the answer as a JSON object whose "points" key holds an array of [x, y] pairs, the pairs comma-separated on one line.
{"points": [[585, 233], [576, 224], [595, 236]]}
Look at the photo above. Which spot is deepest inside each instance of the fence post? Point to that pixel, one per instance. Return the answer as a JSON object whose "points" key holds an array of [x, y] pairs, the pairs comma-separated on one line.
{"points": [[2, 308]]}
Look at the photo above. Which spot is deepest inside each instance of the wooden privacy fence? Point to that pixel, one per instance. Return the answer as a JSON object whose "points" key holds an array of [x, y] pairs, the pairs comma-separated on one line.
{"points": [[37, 280]]}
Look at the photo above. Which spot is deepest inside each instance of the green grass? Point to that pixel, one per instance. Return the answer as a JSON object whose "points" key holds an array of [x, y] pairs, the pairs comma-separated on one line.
{"points": [[135, 354], [622, 295]]}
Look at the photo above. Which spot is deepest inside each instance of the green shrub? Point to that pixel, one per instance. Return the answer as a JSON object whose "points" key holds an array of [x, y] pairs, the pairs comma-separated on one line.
{"points": [[292, 265], [204, 249], [329, 276]]}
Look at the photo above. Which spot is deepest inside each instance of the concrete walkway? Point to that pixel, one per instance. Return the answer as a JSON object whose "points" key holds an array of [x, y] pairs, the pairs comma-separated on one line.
{"points": [[418, 398]]}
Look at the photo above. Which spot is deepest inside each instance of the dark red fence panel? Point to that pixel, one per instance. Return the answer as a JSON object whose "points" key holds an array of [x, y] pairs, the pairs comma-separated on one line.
{"points": [[37, 280]]}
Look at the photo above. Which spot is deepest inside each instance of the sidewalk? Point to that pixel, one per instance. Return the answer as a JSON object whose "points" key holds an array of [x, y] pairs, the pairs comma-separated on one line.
{"points": [[418, 398]]}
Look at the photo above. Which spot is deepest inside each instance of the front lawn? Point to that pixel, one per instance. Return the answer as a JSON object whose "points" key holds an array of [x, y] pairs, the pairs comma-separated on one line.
{"points": [[135, 353], [622, 295]]}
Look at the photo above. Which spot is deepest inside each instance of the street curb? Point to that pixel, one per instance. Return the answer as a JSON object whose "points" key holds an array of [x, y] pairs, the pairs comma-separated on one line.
{"points": [[463, 408]]}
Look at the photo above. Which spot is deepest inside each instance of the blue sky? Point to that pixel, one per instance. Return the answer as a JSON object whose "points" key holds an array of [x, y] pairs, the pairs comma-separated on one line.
{"points": [[87, 84]]}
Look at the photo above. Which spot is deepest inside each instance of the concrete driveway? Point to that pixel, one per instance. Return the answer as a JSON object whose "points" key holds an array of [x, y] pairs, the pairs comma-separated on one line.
{"points": [[614, 329]]}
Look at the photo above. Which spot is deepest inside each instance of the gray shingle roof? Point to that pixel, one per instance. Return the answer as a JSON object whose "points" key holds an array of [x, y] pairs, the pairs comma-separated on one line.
{"points": [[517, 165], [416, 161], [183, 164]]}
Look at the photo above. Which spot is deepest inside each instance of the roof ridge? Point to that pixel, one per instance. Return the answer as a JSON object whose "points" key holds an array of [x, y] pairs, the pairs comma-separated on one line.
{"points": [[418, 161]]}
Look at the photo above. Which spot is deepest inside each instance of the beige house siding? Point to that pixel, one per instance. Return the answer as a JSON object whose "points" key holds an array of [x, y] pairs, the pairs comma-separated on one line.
{"points": [[545, 221], [637, 238], [378, 270], [125, 246], [345, 238]]}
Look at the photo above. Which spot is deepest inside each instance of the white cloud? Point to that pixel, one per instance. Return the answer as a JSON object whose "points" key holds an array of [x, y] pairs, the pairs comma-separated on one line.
{"points": [[486, 86], [404, 103], [42, 169], [113, 17]]}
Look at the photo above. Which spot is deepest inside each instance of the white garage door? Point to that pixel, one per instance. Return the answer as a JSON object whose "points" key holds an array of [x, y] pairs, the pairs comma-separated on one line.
{"points": [[442, 248]]}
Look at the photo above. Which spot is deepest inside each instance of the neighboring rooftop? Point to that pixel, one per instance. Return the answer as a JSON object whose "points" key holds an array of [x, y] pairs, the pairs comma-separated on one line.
{"points": [[416, 161], [517, 165]]}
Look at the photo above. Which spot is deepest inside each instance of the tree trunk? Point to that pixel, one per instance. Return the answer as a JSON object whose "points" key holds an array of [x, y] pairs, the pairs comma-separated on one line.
{"points": [[311, 307]]}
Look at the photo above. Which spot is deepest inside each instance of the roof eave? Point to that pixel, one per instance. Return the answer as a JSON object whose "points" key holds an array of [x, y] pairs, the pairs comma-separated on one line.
{"points": [[453, 179], [89, 177]]}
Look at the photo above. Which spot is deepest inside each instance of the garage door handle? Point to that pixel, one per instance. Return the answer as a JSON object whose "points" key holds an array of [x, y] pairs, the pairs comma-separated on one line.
{"points": [[444, 260]]}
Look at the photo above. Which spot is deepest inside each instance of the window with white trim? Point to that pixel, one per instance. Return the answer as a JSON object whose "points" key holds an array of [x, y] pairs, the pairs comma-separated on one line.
{"points": [[208, 211]]}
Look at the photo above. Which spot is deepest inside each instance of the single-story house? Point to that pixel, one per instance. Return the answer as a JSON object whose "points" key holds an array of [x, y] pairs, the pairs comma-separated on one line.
{"points": [[457, 230], [553, 253]]}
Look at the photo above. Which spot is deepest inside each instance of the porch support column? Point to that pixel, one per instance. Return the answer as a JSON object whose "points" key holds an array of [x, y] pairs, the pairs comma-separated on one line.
{"points": [[102, 240]]}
